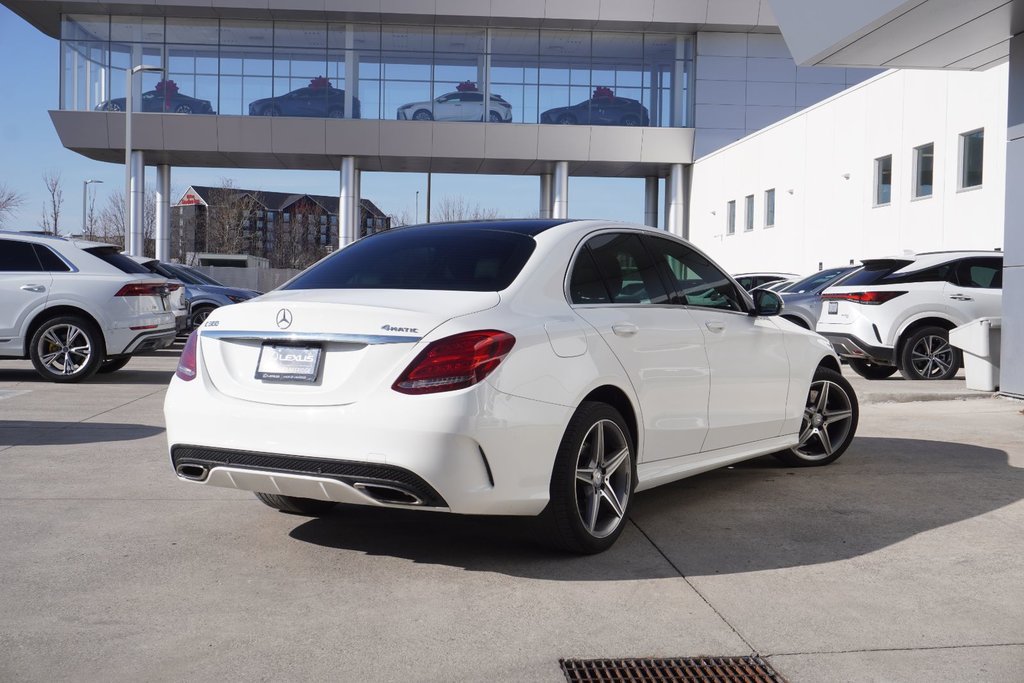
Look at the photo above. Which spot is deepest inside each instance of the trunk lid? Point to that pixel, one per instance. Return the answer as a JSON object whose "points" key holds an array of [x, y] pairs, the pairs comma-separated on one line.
{"points": [[364, 338]]}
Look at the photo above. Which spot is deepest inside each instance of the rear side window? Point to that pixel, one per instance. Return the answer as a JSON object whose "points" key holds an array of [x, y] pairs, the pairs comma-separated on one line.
{"points": [[586, 286], [424, 258], [627, 270], [18, 257], [983, 273], [115, 258], [892, 273], [50, 261]]}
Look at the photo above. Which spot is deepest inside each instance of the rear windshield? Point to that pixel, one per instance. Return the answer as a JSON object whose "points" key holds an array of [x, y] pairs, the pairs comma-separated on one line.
{"points": [[424, 258], [814, 282], [115, 258], [187, 275], [892, 273]]}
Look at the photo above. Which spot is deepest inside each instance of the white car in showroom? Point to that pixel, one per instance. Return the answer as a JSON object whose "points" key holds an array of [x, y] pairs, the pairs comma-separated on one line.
{"points": [[896, 313], [540, 367], [458, 106], [76, 307]]}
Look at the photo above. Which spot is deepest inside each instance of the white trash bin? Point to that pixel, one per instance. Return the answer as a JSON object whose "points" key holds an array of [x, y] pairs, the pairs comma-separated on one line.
{"points": [[980, 341]]}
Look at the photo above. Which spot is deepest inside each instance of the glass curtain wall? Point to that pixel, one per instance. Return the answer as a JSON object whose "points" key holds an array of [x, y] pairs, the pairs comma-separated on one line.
{"points": [[320, 69]]}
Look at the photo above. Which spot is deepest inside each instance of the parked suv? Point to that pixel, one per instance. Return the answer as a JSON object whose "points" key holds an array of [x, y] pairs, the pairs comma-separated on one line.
{"points": [[897, 313], [77, 307]]}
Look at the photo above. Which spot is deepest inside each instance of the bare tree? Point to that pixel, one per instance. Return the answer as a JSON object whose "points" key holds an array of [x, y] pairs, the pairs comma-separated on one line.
{"points": [[112, 223], [230, 225], [91, 227], [52, 208], [10, 200], [400, 219], [304, 238], [458, 208]]}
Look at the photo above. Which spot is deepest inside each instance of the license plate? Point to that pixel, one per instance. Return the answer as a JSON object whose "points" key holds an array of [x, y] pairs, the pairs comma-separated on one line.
{"points": [[833, 307], [279, 363]]}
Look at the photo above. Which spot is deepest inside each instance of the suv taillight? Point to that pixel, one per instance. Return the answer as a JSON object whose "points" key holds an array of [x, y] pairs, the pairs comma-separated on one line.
{"points": [[455, 362], [869, 298], [187, 362], [143, 289]]}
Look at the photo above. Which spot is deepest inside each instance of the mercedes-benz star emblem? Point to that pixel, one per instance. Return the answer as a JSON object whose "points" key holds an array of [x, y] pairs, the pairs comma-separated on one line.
{"points": [[284, 318]]}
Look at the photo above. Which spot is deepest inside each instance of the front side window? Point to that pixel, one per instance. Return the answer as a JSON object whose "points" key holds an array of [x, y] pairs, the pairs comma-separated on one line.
{"points": [[883, 180], [18, 257], [769, 208], [696, 280], [627, 270], [730, 218], [972, 151], [749, 201], [924, 165]]}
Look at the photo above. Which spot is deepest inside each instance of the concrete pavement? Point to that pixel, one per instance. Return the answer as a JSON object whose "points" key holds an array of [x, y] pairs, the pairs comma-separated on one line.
{"points": [[901, 562]]}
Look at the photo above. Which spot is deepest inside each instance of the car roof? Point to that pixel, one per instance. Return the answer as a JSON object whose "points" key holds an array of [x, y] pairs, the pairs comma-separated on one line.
{"points": [[524, 226], [928, 259]]}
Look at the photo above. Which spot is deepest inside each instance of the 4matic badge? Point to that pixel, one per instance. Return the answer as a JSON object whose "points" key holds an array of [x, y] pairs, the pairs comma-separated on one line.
{"points": [[392, 328]]}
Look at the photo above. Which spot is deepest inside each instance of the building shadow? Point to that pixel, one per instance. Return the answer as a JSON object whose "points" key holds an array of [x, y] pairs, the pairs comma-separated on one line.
{"points": [[43, 433], [126, 376], [756, 516]]}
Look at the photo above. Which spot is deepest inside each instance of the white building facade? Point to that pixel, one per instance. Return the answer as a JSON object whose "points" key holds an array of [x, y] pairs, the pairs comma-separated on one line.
{"points": [[908, 160]]}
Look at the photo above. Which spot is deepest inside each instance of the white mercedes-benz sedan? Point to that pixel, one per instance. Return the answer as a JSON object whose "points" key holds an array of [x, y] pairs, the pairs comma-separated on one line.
{"points": [[541, 367]]}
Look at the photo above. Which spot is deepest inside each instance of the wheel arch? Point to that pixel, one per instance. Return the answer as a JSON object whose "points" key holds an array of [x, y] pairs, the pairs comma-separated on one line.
{"points": [[797, 319], [909, 328], [618, 399], [55, 312], [830, 362]]}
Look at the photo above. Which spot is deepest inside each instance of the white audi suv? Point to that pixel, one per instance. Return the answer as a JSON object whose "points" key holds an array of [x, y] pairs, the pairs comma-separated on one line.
{"points": [[896, 313], [540, 367]]}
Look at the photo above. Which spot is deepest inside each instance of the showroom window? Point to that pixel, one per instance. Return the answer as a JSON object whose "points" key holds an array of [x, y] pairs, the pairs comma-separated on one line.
{"points": [[972, 149], [924, 167], [730, 218], [769, 208], [883, 180], [749, 215]]}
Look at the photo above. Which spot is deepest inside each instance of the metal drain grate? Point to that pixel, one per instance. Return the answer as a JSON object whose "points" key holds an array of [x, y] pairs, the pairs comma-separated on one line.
{"points": [[695, 669]]}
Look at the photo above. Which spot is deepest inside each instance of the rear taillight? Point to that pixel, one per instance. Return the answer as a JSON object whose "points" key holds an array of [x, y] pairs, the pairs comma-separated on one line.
{"points": [[187, 363], [869, 298], [173, 286], [143, 289], [455, 362]]}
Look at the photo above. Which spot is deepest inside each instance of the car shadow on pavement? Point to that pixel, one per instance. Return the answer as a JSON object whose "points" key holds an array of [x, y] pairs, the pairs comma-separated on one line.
{"points": [[126, 376], [41, 433], [756, 516]]}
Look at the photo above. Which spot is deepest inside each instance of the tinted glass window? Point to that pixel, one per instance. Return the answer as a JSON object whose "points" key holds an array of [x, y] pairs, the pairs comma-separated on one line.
{"points": [[586, 285], [816, 281], [50, 261], [984, 273], [115, 258], [18, 257], [424, 258], [873, 273], [697, 281], [891, 273], [628, 271]]}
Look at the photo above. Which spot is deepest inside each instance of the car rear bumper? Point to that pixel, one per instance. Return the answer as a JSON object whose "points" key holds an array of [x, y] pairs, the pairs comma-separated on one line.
{"points": [[852, 347]]}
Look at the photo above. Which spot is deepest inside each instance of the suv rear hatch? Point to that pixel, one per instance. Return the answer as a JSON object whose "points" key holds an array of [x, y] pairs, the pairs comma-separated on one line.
{"points": [[865, 287]]}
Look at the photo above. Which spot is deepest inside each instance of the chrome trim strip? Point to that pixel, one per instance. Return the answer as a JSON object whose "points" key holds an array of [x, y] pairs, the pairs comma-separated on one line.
{"points": [[325, 337]]}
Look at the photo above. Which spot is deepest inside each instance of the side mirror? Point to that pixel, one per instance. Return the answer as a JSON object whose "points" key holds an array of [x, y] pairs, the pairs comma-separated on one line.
{"points": [[766, 303]]}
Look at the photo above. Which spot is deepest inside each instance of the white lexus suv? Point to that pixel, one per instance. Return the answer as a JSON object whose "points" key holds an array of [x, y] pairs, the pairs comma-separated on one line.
{"points": [[896, 313], [76, 307]]}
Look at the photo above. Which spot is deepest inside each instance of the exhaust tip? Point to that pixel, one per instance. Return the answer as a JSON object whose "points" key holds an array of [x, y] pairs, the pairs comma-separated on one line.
{"points": [[192, 472], [388, 494]]}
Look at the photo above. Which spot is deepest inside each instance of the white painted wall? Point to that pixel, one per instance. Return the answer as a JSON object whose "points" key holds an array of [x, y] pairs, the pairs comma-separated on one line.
{"points": [[821, 216]]}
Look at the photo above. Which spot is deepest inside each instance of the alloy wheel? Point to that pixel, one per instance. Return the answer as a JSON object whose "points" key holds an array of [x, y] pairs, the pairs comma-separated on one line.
{"points": [[932, 356], [827, 421], [64, 349], [604, 478]]}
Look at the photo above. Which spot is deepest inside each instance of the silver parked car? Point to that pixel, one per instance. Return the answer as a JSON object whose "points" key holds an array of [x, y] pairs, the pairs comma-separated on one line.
{"points": [[802, 299]]}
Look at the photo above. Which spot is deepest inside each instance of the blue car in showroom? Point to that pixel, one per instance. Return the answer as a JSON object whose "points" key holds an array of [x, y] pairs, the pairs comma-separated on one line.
{"points": [[603, 109], [318, 99]]}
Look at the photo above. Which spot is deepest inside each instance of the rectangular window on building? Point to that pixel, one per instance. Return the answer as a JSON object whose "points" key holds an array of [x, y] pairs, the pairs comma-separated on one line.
{"points": [[769, 208], [972, 148], [749, 218], [924, 165], [730, 218], [883, 180]]}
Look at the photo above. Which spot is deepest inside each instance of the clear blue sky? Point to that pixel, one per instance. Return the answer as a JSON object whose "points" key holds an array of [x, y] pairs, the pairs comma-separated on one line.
{"points": [[29, 147]]}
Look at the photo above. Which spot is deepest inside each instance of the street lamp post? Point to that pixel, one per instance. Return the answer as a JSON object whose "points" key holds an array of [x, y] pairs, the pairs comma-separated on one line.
{"points": [[134, 169], [417, 212], [85, 195]]}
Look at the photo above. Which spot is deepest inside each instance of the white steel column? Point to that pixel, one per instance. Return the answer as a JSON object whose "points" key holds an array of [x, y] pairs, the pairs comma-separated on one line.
{"points": [[347, 200], [546, 185], [136, 203], [163, 212], [560, 193], [678, 82], [651, 201], [357, 204], [675, 201], [351, 71]]}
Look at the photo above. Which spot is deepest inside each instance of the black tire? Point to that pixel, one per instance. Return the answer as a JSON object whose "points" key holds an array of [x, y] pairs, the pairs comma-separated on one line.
{"points": [[199, 316], [566, 120], [927, 354], [67, 349], [422, 115], [495, 117], [630, 120], [183, 109], [336, 113], [271, 111], [869, 370], [614, 478], [296, 506], [829, 423], [113, 365]]}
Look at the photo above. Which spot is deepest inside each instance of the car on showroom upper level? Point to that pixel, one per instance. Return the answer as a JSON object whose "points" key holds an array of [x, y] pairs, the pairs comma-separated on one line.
{"points": [[318, 99], [162, 99], [896, 313], [535, 367], [76, 307], [462, 105], [603, 109]]}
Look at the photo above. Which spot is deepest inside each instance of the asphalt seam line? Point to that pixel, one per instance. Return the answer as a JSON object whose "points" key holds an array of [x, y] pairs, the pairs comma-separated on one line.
{"points": [[689, 583], [893, 649]]}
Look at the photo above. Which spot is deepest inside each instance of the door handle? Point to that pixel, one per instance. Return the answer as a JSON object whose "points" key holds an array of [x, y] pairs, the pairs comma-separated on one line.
{"points": [[961, 297], [33, 288], [625, 329], [715, 326]]}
